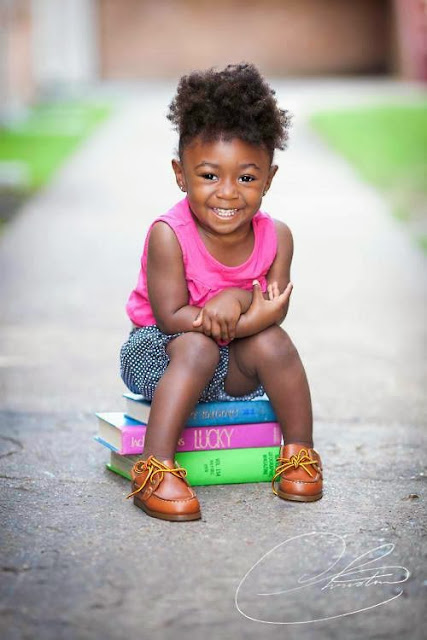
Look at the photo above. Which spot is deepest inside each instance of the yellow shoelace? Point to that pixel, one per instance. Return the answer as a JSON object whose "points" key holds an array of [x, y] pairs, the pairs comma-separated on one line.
{"points": [[302, 459], [154, 466]]}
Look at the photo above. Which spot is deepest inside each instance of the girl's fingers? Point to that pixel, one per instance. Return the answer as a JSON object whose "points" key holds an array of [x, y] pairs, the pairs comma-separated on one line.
{"points": [[273, 290], [231, 329], [231, 333], [216, 331], [199, 320], [257, 293], [287, 292], [224, 330], [207, 326]]}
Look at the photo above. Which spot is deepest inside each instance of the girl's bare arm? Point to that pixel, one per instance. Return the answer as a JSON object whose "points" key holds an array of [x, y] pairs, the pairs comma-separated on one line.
{"points": [[271, 309], [167, 288], [168, 292]]}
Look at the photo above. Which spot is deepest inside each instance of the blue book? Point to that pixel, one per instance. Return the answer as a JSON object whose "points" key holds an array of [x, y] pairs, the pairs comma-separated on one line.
{"points": [[210, 413]]}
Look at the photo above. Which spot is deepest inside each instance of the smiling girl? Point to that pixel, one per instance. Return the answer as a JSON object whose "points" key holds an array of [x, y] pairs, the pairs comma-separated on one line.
{"points": [[213, 290]]}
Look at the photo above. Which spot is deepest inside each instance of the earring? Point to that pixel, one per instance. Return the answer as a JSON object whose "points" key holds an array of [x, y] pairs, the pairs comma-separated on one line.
{"points": [[181, 186]]}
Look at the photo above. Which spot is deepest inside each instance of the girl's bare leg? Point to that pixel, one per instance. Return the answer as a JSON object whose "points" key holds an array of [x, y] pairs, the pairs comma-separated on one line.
{"points": [[270, 358], [193, 360]]}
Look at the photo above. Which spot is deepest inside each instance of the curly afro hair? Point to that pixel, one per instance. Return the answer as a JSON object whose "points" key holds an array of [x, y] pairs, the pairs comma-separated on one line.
{"points": [[233, 103]]}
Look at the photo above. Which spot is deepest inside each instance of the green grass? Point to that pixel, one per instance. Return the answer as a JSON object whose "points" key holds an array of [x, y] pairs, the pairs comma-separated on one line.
{"points": [[387, 145], [42, 142]]}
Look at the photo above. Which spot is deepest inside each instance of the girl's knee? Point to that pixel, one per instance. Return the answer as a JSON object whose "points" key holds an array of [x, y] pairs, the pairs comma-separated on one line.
{"points": [[195, 350], [273, 345]]}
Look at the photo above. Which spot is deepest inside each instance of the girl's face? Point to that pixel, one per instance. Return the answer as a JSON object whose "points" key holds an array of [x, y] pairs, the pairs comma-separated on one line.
{"points": [[225, 182]]}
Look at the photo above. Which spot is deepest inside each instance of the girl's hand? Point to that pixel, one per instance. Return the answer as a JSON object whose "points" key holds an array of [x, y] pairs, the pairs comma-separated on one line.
{"points": [[273, 290], [219, 317], [275, 306], [263, 312]]}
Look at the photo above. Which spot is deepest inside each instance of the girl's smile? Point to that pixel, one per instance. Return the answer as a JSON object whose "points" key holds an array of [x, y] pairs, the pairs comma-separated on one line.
{"points": [[225, 181], [225, 213]]}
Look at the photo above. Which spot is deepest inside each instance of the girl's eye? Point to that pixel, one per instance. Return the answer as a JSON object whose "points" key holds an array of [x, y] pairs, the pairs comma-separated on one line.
{"points": [[247, 178], [209, 176]]}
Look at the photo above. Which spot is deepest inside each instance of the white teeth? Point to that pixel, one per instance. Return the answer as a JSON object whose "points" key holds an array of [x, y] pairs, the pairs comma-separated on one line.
{"points": [[225, 213]]}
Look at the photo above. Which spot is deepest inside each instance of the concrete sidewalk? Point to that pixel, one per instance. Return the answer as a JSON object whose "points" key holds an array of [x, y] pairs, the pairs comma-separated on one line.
{"points": [[78, 561]]}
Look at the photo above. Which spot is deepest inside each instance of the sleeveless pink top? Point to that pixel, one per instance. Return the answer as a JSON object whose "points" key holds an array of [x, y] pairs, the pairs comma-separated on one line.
{"points": [[205, 276]]}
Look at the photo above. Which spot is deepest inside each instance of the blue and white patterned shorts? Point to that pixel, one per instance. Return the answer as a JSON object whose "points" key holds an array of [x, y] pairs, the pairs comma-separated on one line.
{"points": [[143, 361]]}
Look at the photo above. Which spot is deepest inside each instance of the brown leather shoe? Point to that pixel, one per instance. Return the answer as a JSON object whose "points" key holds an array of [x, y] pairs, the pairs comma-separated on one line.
{"points": [[300, 471], [160, 489]]}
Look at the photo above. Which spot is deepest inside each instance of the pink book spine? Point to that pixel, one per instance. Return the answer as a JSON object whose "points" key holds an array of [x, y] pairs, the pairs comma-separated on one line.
{"points": [[132, 439], [236, 436]]}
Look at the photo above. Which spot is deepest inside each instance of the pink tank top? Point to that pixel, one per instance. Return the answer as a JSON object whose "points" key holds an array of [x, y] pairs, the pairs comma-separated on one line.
{"points": [[205, 276]]}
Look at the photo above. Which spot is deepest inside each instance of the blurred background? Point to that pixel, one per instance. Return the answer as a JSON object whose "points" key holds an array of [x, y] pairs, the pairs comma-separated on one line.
{"points": [[53, 54], [46, 45]]}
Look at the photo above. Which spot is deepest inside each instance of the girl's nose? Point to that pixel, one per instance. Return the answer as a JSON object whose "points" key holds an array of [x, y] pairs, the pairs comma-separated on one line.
{"points": [[227, 189]]}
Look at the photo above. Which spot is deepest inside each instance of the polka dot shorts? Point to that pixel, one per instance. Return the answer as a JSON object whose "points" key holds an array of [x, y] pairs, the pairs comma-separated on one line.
{"points": [[143, 361]]}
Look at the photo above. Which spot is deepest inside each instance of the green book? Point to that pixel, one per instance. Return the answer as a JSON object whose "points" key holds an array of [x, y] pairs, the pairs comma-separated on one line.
{"points": [[225, 466]]}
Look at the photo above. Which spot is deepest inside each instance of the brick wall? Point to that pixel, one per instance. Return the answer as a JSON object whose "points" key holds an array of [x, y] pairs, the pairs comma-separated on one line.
{"points": [[16, 77], [145, 38]]}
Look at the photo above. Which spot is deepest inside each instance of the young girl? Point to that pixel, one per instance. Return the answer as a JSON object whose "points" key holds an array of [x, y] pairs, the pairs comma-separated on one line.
{"points": [[213, 290]]}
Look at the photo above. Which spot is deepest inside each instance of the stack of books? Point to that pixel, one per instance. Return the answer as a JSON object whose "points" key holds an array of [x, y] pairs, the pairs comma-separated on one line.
{"points": [[222, 442]]}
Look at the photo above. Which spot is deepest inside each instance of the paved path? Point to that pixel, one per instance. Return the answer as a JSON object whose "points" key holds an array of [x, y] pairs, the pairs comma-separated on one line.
{"points": [[78, 560]]}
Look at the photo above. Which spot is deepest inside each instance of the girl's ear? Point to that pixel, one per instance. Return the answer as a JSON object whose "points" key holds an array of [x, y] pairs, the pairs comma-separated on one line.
{"points": [[271, 174], [179, 174]]}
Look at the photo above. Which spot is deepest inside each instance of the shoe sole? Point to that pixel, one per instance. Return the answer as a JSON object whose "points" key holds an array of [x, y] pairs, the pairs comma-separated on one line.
{"points": [[290, 496], [166, 516]]}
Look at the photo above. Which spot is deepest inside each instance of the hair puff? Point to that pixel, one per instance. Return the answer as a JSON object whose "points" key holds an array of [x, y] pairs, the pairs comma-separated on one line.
{"points": [[235, 102]]}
